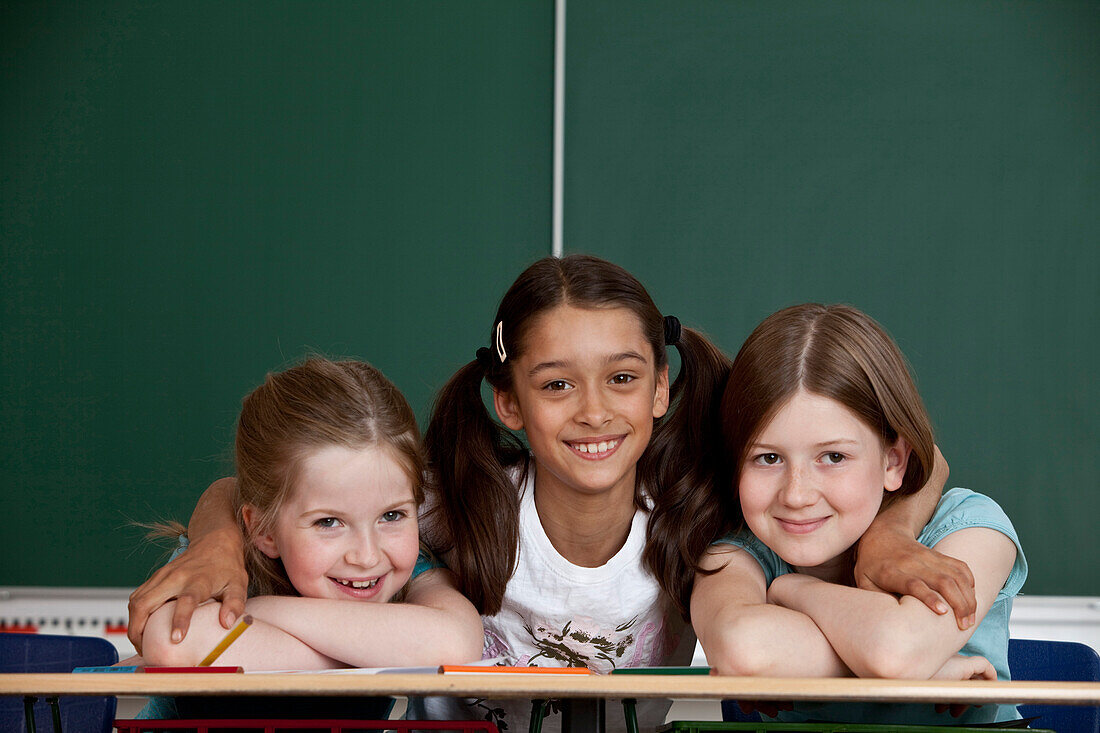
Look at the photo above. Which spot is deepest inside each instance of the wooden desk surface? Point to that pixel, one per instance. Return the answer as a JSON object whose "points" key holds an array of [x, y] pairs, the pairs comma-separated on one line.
{"points": [[537, 686]]}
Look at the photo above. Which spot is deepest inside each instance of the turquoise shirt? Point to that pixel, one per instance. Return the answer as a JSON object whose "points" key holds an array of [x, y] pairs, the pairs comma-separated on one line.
{"points": [[958, 509]]}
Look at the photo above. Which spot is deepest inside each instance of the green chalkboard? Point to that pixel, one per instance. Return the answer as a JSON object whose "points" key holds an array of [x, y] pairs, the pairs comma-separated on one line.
{"points": [[934, 163], [195, 193]]}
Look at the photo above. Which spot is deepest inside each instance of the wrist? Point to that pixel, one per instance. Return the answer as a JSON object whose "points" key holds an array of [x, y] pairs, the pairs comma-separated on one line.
{"points": [[887, 531], [223, 542]]}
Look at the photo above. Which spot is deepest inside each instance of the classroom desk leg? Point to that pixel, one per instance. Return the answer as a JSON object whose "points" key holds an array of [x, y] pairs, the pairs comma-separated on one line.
{"points": [[28, 712], [55, 709], [538, 712], [582, 715], [630, 712]]}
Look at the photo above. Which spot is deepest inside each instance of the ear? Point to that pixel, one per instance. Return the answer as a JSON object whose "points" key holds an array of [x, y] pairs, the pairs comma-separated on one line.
{"points": [[660, 398], [897, 460], [508, 409], [264, 542]]}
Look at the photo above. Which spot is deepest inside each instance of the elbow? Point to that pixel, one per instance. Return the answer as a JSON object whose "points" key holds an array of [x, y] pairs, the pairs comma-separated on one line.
{"points": [[899, 657], [159, 651], [467, 645], [457, 637], [741, 648], [157, 648]]}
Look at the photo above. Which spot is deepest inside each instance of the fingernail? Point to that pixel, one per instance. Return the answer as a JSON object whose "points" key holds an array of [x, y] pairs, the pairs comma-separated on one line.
{"points": [[177, 636], [941, 608], [231, 618]]}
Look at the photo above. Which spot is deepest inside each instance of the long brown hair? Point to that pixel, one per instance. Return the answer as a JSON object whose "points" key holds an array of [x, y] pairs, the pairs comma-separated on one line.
{"points": [[470, 455], [316, 404], [835, 351]]}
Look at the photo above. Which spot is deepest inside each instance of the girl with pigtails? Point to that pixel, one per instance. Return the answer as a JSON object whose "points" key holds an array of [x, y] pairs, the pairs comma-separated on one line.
{"points": [[549, 537]]}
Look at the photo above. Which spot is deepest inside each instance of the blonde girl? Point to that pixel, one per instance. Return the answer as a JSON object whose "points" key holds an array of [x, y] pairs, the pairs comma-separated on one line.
{"points": [[329, 481]]}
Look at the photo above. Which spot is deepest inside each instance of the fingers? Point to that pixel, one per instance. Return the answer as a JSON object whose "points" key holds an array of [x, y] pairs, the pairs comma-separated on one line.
{"points": [[181, 617], [143, 601], [865, 583], [135, 627], [951, 588], [232, 605], [957, 589], [918, 589]]}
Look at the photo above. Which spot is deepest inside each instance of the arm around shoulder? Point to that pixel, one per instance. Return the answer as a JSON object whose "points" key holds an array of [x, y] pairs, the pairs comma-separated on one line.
{"points": [[212, 567], [890, 559]]}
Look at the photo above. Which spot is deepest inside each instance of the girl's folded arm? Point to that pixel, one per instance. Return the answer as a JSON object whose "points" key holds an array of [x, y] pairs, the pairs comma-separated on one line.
{"points": [[878, 635], [260, 647], [434, 625], [743, 635]]}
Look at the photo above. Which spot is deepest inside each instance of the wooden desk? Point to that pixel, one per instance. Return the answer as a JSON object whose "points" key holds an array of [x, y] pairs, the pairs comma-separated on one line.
{"points": [[575, 688]]}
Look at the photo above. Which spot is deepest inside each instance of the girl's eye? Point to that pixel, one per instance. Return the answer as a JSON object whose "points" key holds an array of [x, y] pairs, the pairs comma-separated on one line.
{"points": [[393, 516], [834, 458], [558, 385], [767, 459], [622, 379], [327, 522]]}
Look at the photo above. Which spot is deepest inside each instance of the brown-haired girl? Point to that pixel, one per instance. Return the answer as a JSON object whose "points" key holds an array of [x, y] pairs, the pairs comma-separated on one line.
{"points": [[329, 481], [822, 423]]}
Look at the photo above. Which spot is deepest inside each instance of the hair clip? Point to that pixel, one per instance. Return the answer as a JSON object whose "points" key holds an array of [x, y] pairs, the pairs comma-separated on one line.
{"points": [[484, 358], [501, 353], [672, 331]]}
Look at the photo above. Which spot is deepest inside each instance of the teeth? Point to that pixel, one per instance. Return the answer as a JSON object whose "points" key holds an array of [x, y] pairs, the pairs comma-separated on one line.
{"points": [[601, 447], [358, 583]]}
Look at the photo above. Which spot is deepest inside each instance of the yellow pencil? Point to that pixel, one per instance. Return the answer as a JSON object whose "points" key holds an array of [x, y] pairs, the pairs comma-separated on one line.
{"points": [[224, 643]]}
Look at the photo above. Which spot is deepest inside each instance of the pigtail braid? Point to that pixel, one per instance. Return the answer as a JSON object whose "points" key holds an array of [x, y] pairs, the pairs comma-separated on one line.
{"points": [[680, 469], [476, 512]]}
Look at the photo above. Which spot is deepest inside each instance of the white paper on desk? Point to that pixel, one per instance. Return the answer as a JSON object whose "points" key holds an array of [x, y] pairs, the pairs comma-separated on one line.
{"points": [[378, 670], [353, 670]]}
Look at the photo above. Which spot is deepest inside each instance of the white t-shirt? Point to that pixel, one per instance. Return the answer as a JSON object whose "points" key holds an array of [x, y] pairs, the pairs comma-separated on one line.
{"points": [[557, 614]]}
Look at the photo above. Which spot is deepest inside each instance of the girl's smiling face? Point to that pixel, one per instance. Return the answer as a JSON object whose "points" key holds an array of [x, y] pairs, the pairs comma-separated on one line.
{"points": [[813, 480], [586, 390], [348, 529]]}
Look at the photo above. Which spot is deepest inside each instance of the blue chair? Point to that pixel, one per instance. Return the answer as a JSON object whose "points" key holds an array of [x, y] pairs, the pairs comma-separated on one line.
{"points": [[22, 653], [1031, 659], [731, 713]]}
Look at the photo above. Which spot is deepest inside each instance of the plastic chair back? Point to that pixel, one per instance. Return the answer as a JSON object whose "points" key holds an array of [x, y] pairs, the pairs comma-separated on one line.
{"points": [[1031, 659], [22, 653], [731, 713]]}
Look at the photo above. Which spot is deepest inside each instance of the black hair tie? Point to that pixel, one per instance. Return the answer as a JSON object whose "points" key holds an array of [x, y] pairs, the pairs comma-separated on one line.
{"points": [[672, 331], [485, 359]]}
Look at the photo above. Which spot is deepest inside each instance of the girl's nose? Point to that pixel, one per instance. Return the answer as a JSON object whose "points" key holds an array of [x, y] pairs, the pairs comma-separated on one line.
{"points": [[593, 409], [798, 491], [363, 551]]}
